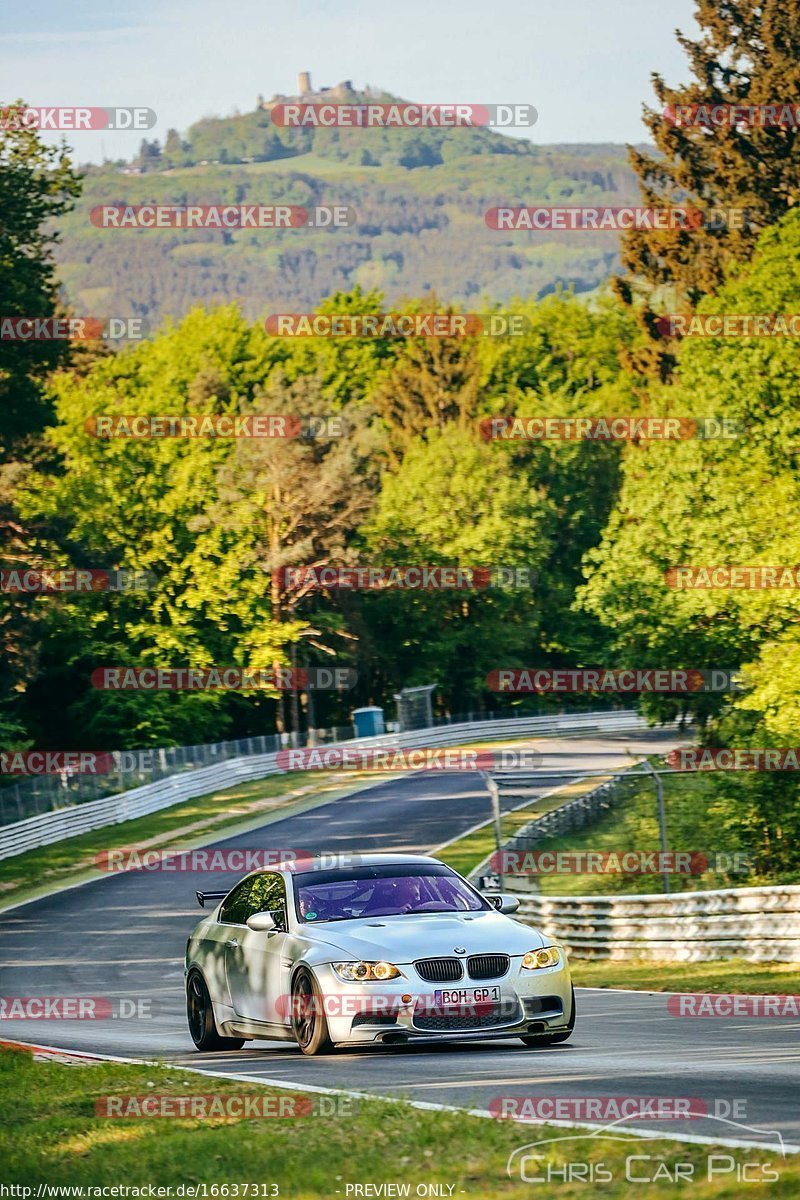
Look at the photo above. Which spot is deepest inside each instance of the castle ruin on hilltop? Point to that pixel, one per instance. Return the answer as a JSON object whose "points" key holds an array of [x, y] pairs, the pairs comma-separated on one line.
{"points": [[305, 92]]}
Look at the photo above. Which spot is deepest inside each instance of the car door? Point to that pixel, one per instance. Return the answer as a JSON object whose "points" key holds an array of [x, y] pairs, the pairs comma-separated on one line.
{"points": [[227, 928], [258, 978]]}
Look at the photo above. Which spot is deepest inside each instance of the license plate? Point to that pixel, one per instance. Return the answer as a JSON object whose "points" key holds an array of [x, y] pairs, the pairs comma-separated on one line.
{"points": [[448, 997]]}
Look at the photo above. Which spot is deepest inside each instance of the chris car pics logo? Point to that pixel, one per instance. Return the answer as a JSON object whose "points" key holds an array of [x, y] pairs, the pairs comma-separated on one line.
{"points": [[632, 1158]]}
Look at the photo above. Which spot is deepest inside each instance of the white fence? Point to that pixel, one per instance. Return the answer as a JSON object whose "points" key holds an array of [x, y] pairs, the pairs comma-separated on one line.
{"points": [[51, 827], [759, 924]]}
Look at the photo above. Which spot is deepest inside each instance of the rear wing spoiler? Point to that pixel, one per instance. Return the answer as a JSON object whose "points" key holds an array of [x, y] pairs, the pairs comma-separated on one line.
{"points": [[215, 896]]}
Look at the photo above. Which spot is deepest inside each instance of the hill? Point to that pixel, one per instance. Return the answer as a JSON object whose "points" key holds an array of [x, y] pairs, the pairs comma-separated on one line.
{"points": [[419, 198]]}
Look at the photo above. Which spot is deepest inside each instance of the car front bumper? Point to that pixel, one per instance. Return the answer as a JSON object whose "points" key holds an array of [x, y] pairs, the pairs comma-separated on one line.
{"points": [[407, 1009]]}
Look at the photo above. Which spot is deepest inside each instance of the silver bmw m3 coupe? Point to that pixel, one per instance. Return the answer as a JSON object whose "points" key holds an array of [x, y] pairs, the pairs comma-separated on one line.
{"points": [[394, 949]]}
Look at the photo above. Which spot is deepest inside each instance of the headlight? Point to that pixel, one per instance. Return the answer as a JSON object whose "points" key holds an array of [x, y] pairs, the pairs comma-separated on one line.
{"points": [[534, 959], [364, 972]]}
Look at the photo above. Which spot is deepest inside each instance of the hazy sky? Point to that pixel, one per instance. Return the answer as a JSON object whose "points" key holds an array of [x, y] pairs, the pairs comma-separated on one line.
{"points": [[584, 64]]}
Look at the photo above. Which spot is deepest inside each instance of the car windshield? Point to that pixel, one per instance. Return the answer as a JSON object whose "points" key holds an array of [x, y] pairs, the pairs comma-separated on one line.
{"points": [[382, 892]]}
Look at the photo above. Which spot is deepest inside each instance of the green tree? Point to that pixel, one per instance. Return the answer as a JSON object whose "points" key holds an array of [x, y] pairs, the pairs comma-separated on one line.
{"points": [[149, 156], [143, 505], [296, 502], [434, 382], [716, 502], [454, 502], [37, 185], [175, 152], [748, 54]]}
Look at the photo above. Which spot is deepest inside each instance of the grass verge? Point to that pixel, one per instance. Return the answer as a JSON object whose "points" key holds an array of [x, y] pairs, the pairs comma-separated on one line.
{"points": [[730, 975], [50, 1134], [464, 854], [702, 816]]}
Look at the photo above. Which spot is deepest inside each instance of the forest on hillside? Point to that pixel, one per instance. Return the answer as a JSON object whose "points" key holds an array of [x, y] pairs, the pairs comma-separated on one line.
{"points": [[600, 524]]}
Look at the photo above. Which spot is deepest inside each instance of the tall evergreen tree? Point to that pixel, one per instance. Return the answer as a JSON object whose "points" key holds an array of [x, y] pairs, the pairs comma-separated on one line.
{"points": [[748, 54], [37, 183]]}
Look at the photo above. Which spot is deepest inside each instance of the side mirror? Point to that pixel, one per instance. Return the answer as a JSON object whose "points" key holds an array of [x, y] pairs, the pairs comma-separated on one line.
{"points": [[262, 922], [504, 902]]}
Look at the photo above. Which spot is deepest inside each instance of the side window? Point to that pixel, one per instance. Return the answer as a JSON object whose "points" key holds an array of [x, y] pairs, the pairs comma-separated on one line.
{"points": [[235, 909], [268, 894]]}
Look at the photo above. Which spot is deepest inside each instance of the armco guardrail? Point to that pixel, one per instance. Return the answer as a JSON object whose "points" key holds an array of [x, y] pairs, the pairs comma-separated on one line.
{"points": [[759, 924], [575, 814], [29, 796], [51, 827]]}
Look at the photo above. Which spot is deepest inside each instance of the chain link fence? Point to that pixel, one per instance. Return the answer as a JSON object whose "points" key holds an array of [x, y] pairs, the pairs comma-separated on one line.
{"points": [[570, 817], [47, 793]]}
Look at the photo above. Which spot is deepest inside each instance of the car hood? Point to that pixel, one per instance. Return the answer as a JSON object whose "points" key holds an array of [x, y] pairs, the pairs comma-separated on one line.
{"points": [[432, 935]]}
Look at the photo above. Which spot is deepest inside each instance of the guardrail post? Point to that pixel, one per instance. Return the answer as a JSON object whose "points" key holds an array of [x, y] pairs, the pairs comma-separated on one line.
{"points": [[498, 831], [662, 820]]}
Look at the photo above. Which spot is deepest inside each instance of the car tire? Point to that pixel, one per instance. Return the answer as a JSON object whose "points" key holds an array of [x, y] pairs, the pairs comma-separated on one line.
{"points": [[200, 1017], [552, 1039], [309, 1025]]}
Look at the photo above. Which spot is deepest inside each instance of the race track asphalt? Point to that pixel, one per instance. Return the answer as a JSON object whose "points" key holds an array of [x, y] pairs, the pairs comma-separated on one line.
{"points": [[123, 936]]}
